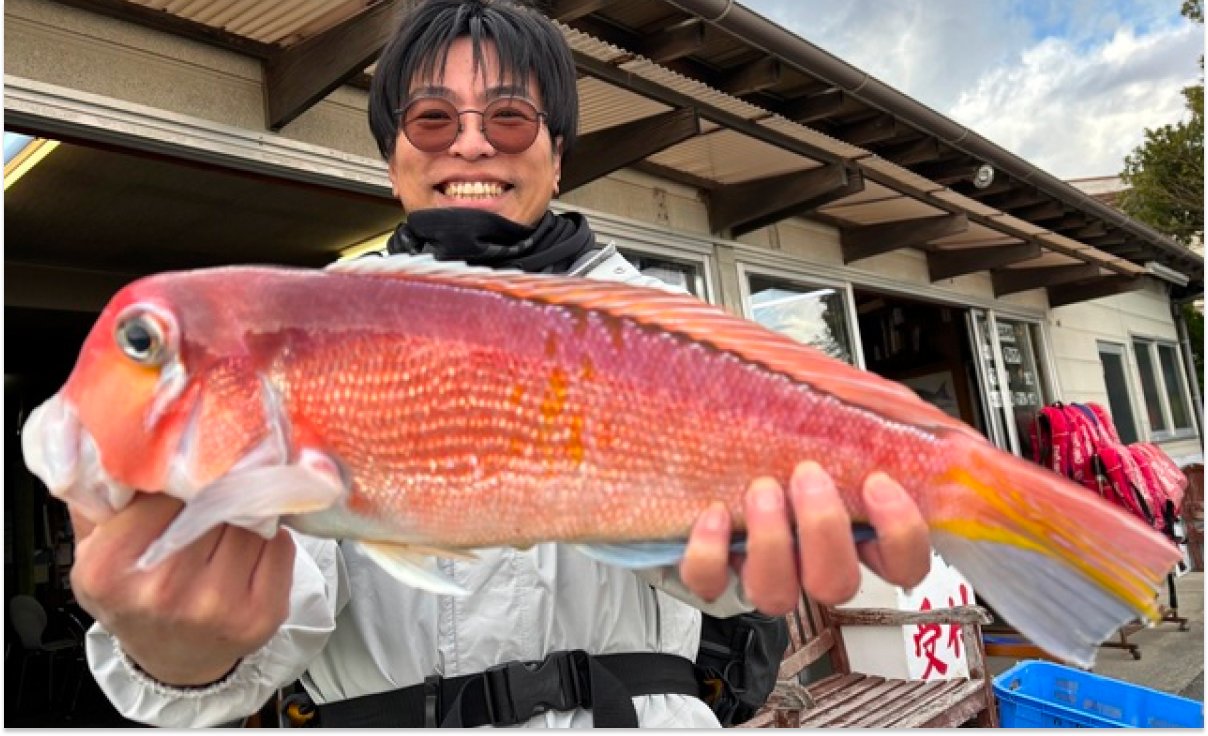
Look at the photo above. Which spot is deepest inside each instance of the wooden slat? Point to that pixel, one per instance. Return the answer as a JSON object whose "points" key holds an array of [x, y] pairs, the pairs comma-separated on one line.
{"points": [[946, 264], [300, 75], [872, 240], [830, 683], [1106, 286], [750, 205], [940, 705], [895, 617], [807, 654], [899, 712], [673, 43], [1014, 280], [964, 710], [851, 700], [604, 151]]}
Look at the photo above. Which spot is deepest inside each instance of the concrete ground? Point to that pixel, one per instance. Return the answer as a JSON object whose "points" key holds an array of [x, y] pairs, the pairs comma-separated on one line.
{"points": [[1171, 660]]}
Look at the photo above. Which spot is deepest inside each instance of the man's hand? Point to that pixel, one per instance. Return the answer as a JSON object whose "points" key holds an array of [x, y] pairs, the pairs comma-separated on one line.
{"points": [[773, 573], [191, 619]]}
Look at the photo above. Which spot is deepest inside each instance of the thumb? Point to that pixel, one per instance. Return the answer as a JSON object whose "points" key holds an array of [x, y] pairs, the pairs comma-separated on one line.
{"points": [[80, 524]]}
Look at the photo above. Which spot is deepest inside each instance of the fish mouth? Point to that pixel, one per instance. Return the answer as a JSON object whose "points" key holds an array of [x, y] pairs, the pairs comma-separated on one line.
{"points": [[61, 453]]}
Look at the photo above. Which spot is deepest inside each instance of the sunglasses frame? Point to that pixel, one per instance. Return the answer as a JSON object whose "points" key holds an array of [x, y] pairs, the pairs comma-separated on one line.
{"points": [[539, 116]]}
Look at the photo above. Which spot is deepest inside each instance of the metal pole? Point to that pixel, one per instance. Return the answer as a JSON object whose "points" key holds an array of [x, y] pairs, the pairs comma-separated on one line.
{"points": [[1180, 323]]}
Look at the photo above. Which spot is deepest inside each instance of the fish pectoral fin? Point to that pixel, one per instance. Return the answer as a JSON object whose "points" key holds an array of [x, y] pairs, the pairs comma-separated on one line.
{"points": [[414, 566], [254, 499]]}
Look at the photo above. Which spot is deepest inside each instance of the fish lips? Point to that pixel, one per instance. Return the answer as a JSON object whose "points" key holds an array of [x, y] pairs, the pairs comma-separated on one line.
{"points": [[62, 454]]}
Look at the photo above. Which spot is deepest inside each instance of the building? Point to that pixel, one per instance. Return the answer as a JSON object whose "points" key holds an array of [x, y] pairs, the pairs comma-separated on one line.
{"points": [[716, 148]]}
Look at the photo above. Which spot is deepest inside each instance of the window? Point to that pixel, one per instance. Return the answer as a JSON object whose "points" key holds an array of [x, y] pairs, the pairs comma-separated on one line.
{"points": [[816, 316], [1164, 387], [1119, 399], [1018, 341], [678, 273]]}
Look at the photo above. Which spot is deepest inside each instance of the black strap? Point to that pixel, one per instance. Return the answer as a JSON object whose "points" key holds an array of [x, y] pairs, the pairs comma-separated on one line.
{"points": [[514, 692]]}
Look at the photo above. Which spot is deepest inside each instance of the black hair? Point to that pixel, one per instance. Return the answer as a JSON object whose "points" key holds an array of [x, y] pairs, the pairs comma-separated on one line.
{"points": [[527, 43]]}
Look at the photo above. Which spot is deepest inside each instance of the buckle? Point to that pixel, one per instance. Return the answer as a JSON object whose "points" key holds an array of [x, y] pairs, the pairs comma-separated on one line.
{"points": [[432, 702], [517, 691]]}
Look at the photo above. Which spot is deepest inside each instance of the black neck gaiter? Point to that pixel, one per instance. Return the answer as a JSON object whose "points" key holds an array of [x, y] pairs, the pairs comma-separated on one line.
{"points": [[486, 239]]}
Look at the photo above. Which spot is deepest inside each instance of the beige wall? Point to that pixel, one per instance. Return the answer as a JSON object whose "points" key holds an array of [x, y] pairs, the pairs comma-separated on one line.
{"points": [[1076, 330], [65, 46]]}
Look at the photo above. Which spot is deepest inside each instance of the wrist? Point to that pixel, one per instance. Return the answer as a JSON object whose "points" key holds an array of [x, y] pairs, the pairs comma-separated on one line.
{"points": [[193, 677]]}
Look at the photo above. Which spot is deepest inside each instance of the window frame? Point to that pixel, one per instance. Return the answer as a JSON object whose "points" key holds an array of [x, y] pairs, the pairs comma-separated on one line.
{"points": [[805, 280], [1151, 343], [1127, 357]]}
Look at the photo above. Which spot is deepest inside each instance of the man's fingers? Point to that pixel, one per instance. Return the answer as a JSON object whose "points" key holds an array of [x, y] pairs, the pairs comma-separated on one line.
{"points": [[705, 569], [829, 572], [901, 553], [770, 570]]}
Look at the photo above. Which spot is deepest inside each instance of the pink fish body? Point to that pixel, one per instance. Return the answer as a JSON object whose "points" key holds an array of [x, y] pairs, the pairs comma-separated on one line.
{"points": [[434, 408]]}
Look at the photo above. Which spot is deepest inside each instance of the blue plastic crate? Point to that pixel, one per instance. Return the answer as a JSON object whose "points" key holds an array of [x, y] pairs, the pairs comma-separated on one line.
{"points": [[1039, 694]]}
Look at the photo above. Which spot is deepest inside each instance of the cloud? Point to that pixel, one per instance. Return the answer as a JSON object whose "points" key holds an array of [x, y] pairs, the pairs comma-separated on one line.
{"points": [[1078, 113], [1069, 85]]}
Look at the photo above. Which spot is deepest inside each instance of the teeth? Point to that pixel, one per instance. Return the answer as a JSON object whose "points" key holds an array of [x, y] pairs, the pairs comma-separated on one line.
{"points": [[473, 189]]}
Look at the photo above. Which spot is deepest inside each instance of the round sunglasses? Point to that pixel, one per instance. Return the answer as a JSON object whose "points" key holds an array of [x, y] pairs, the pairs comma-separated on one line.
{"points": [[509, 124]]}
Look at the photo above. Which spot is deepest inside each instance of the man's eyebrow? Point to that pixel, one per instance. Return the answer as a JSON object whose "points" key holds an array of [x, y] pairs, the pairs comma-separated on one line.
{"points": [[507, 90], [491, 93], [431, 90]]}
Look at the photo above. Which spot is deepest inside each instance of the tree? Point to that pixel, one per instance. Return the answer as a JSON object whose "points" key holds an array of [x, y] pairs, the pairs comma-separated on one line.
{"points": [[1165, 176]]}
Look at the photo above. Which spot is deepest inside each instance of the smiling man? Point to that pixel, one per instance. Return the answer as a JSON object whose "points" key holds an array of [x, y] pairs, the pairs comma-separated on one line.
{"points": [[473, 105]]}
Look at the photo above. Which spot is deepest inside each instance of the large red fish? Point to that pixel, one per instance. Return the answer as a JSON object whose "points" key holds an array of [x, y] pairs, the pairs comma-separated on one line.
{"points": [[427, 408]]}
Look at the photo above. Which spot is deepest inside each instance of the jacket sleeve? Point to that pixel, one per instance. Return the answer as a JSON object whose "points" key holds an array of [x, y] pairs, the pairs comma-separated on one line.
{"points": [[319, 592]]}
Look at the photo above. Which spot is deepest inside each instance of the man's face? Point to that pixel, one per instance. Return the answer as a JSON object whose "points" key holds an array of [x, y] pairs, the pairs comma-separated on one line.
{"points": [[471, 173]]}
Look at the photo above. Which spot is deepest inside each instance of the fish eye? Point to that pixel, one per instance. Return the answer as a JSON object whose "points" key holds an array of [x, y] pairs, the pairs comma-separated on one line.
{"points": [[142, 337]]}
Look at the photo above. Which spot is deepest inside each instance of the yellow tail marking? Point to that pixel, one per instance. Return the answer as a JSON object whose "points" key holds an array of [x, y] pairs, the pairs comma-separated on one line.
{"points": [[1109, 574], [980, 531]]}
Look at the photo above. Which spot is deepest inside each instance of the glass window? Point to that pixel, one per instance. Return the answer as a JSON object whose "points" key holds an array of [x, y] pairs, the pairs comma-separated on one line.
{"points": [[678, 273], [816, 316], [1176, 392], [1119, 400], [1149, 386], [1018, 343]]}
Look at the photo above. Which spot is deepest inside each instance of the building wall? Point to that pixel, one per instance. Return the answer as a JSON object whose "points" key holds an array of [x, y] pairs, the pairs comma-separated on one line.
{"points": [[1075, 333], [65, 46]]}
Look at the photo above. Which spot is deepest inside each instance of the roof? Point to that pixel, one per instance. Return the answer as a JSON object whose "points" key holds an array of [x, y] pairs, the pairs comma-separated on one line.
{"points": [[711, 94]]}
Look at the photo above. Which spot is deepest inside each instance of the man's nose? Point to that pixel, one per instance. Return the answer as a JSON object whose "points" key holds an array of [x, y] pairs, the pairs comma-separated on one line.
{"points": [[471, 141]]}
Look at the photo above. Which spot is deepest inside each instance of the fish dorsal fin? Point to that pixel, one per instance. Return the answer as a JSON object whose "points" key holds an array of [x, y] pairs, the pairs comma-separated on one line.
{"points": [[683, 315]]}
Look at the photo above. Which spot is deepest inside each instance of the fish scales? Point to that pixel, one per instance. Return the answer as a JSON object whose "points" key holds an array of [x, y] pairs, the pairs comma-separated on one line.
{"points": [[508, 420]]}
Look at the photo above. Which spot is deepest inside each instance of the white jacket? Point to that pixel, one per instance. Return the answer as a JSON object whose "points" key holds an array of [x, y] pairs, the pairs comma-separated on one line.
{"points": [[353, 630]]}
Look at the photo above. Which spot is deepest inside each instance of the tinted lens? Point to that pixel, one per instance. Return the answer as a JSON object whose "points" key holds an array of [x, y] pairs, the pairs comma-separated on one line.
{"points": [[510, 125], [430, 123]]}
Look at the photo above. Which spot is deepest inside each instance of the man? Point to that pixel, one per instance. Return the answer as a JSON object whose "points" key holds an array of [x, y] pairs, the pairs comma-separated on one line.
{"points": [[473, 106]]}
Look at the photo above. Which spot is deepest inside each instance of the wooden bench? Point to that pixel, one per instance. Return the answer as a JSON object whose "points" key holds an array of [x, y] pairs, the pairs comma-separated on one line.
{"points": [[846, 698]]}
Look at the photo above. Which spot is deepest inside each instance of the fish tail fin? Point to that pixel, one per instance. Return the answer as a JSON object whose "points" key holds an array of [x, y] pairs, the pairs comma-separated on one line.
{"points": [[1063, 566]]}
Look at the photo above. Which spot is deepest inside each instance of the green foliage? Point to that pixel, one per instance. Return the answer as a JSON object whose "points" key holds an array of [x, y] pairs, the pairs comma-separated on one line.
{"points": [[1166, 172], [1166, 175]]}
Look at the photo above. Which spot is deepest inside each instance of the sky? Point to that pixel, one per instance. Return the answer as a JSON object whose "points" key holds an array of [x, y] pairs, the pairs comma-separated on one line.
{"points": [[1068, 85]]}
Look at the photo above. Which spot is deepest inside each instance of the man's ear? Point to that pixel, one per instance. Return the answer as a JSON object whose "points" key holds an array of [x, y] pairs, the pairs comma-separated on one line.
{"points": [[557, 163]]}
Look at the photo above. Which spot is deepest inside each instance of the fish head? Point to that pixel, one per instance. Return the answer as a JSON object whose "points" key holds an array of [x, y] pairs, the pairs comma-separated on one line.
{"points": [[126, 415]]}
